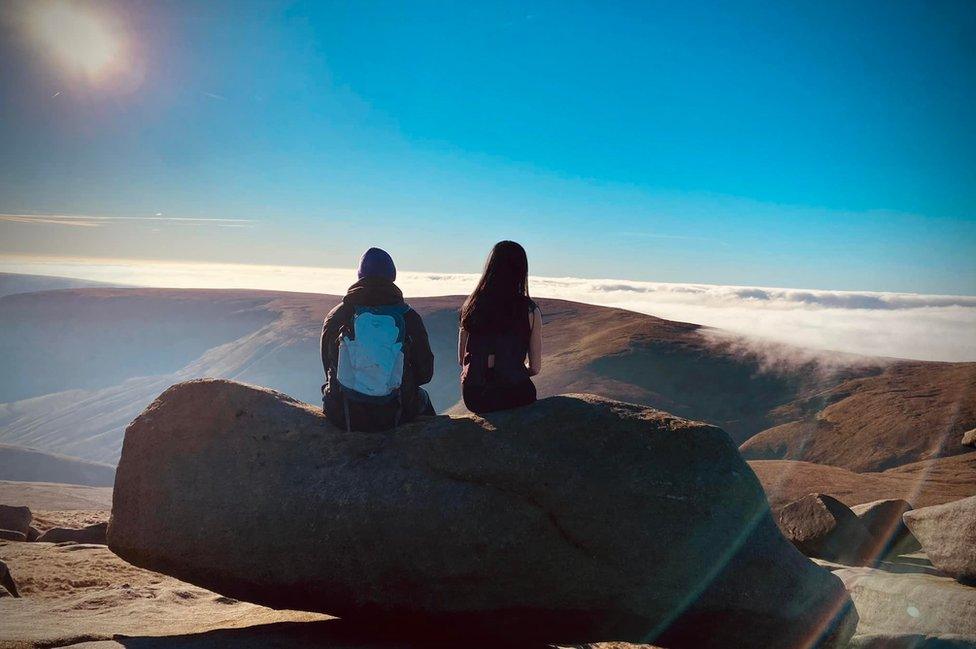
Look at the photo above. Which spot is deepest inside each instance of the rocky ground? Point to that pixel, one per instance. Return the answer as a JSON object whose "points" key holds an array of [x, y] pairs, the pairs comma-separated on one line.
{"points": [[74, 592]]}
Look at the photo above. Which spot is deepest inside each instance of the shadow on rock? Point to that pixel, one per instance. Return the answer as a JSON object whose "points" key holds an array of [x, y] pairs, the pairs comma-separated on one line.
{"points": [[330, 634]]}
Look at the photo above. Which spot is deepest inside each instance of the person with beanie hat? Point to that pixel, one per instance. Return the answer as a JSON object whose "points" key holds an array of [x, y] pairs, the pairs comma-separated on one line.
{"points": [[377, 262], [376, 301]]}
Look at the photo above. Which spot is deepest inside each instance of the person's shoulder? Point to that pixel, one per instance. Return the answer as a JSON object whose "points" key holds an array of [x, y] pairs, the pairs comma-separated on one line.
{"points": [[533, 306], [410, 314], [341, 311], [334, 310]]}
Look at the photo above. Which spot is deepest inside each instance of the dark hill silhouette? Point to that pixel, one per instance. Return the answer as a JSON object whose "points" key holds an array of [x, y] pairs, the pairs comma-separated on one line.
{"points": [[81, 363]]}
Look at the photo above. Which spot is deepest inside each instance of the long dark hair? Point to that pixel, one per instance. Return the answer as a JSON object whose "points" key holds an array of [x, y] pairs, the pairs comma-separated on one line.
{"points": [[502, 292]]}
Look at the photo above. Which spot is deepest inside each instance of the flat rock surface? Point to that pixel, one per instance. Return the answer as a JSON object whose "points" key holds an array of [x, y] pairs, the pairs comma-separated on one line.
{"points": [[910, 603], [948, 535], [911, 641]]}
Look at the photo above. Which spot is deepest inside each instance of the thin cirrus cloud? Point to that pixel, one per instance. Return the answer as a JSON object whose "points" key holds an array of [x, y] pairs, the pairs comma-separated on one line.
{"points": [[88, 221], [900, 325]]}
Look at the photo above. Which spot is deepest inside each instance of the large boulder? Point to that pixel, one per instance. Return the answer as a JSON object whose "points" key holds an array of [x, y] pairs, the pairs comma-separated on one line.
{"points": [[571, 520], [947, 533], [17, 519], [90, 534], [822, 526], [883, 520]]}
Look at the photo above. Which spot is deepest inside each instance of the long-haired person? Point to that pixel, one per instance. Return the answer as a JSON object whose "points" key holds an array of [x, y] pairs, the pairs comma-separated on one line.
{"points": [[500, 341]]}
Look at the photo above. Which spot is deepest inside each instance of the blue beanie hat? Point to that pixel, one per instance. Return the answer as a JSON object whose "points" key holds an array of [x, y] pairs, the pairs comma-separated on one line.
{"points": [[377, 263]]}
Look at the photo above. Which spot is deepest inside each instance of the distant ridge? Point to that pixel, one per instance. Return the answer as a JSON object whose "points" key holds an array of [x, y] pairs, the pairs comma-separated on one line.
{"points": [[31, 465], [14, 283]]}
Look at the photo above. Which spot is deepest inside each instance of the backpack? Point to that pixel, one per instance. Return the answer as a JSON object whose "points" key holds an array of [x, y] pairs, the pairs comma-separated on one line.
{"points": [[370, 362]]}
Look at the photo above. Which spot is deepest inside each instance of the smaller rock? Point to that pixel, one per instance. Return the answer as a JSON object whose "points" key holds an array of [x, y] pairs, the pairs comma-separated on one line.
{"points": [[948, 535], [33, 533], [822, 526], [17, 519], [969, 438], [883, 520], [7, 581], [92, 534], [12, 535]]}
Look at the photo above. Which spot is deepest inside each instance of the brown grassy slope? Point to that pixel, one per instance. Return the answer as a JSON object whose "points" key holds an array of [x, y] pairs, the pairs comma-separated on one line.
{"points": [[912, 411], [930, 482]]}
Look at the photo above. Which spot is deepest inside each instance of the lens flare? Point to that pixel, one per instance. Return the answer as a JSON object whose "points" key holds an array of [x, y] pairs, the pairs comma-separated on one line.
{"points": [[83, 41]]}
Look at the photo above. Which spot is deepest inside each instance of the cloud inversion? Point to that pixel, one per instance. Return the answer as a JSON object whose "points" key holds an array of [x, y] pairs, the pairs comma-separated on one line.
{"points": [[904, 325]]}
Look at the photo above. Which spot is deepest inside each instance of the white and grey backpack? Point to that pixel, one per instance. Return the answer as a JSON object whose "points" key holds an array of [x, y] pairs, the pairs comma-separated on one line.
{"points": [[371, 360]]}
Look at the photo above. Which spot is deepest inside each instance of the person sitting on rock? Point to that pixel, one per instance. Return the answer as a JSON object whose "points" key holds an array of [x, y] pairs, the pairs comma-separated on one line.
{"points": [[500, 338], [375, 352]]}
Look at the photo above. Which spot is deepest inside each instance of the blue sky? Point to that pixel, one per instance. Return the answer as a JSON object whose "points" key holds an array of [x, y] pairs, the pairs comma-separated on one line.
{"points": [[807, 144]]}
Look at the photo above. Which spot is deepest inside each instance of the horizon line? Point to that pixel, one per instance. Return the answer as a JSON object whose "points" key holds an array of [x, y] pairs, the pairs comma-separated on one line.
{"points": [[435, 275]]}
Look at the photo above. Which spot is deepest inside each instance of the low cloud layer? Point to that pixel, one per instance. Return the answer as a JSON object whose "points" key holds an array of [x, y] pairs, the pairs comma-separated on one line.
{"points": [[904, 325]]}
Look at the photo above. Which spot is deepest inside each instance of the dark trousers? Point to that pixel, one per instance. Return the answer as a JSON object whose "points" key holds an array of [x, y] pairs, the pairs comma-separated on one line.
{"points": [[373, 417], [494, 395]]}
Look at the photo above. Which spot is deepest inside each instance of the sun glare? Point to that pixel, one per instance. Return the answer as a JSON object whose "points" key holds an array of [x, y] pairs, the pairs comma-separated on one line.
{"points": [[81, 40]]}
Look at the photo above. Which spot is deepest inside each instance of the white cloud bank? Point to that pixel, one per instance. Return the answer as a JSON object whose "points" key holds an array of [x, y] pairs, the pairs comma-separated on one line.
{"points": [[905, 325]]}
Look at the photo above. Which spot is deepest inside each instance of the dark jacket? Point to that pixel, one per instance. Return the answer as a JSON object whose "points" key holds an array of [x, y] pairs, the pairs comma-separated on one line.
{"points": [[418, 367]]}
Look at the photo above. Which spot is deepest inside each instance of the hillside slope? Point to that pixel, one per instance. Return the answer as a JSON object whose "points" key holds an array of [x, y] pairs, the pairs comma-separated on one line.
{"points": [[82, 363], [12, 283], [31, 465], [911, 411], [930, 482]]}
